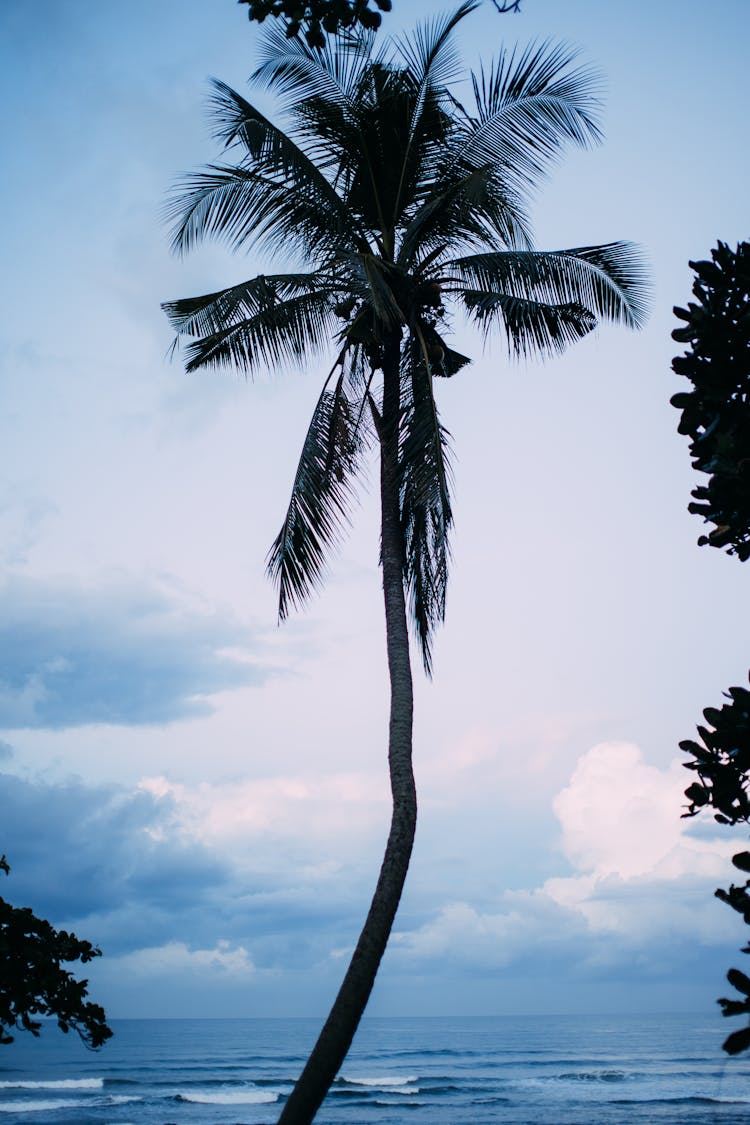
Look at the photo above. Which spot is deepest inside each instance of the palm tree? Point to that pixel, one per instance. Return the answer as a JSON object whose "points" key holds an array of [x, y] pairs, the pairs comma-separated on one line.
{"points": [[401, 200]]}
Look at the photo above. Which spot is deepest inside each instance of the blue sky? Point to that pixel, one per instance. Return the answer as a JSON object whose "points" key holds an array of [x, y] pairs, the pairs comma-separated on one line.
{"points": [[205, 794]]}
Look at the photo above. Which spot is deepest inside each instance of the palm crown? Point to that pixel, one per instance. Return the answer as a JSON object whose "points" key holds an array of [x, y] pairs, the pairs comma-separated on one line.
{"points": [[401, 201]]}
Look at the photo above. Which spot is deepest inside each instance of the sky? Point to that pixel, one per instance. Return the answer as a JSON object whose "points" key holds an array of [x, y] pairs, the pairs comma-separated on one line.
{"points": [[203, 793]]}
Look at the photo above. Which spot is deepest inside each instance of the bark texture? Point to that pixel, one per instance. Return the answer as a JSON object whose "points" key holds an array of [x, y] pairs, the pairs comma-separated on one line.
{"points": [[334, 1040]]}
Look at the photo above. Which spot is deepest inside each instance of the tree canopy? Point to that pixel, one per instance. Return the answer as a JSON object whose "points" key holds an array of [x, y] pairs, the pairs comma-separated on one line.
{"points": [[33, 982], [716, 417], [721, 760], [318, 18], [402, 201], [716, 412]]}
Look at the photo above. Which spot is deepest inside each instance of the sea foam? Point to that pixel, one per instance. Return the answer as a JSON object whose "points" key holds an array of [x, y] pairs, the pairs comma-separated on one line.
{"points": [[229, 1097], [59, 1084], [388, 1080], [36, 1106]]}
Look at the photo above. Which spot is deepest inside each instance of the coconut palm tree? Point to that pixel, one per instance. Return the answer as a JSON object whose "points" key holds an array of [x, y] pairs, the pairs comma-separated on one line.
{"points": [[400, 201]]}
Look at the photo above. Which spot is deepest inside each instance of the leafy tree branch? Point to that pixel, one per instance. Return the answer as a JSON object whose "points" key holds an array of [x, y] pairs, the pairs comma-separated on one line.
{"points": [[715, 412], [318, 18], [722, 762], [33, 982], [715, 416]]}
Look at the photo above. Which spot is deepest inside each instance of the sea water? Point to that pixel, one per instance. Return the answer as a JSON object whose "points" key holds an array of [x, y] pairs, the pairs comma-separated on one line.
{"points": [[534, 1070]]}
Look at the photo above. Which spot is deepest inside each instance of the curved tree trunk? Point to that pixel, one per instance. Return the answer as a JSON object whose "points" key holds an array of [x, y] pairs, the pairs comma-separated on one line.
{"points": [[338, 1031]]}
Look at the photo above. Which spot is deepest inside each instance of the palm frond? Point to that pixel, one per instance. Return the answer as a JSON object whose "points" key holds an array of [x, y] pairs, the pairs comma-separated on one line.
{"points": [[234, 120], [429, 132], [528, 107], [429, 53], [299, 72], [610, 280], [618, 273], [211, 312], [274, 153], [357, 372], [331, 135], [426, 516], [473, 210], [280, 333], [531, 327], [245, 208], [431, 61], [322, 494]]}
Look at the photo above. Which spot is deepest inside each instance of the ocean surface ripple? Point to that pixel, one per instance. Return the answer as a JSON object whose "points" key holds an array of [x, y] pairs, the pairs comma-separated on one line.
{"points": [[629, 1070]]}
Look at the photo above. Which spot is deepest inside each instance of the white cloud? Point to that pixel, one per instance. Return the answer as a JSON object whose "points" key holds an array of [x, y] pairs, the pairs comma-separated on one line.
{"points": [[620, 816], [640, 878], [622, 828], [176, 958], [466, 936], [340, 808]]}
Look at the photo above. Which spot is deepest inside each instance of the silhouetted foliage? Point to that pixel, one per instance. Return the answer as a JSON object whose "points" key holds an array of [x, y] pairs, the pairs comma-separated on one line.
{"points": [[715, 413], [715, 416], [722, 761], [33, 982], [318, 18]]}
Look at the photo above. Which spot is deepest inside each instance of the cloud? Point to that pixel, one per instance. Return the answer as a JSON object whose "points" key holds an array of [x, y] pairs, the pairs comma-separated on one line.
{"points": [[622, 829], [476, 941], [79, 851], [261, 882], [620, 816], [122, 654], [336, 810], [177, 957], [6, 750], [640, 896], [128, 870], [304, 853]]}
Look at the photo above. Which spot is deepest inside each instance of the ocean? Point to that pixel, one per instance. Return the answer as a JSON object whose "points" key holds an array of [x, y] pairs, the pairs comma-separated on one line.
{"points": [[534, 1070]]}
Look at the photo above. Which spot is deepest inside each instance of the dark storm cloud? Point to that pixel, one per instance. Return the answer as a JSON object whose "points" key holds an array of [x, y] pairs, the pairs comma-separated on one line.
{"points": [[78, 850], [111, 864], [73, 657]]}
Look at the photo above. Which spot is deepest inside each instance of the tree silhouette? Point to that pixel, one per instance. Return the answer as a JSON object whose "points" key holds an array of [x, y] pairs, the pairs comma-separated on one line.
{"points": [[715, 412], [401, 201], [34, 983], [318, 18], [715, 416]]}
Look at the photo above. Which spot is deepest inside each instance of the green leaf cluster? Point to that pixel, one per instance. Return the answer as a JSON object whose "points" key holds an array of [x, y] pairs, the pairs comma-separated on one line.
{"points": [[715, 412], [33, 982]]}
